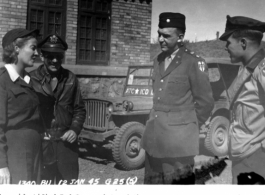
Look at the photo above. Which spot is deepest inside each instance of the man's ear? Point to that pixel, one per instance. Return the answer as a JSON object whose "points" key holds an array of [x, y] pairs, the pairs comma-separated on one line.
{"points": [[180, 40], [41, 56], [243, 43], [181, 37], [17, 49]]}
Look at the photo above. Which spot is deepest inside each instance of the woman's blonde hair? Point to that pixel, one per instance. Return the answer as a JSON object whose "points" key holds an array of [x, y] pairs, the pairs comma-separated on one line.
{"points": [[9, 55]]}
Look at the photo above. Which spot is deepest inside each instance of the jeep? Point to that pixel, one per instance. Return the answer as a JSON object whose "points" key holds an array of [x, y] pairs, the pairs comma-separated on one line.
{"points": [[119, 123]]}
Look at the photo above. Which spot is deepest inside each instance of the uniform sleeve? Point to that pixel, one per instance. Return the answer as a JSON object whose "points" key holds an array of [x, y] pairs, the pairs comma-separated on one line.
{"points": [[201, 90], [261, 79], [79, 110], [3, 118], [154, 75]]}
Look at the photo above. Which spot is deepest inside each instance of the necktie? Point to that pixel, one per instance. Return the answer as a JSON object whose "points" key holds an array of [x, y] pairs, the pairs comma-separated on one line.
{"points": [[167, 61], [53, 83]]}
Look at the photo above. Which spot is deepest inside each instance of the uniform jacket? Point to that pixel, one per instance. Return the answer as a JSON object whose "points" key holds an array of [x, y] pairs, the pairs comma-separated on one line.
{"points": [[182, 101], [248, 108], [65, 104], [19, 110]]}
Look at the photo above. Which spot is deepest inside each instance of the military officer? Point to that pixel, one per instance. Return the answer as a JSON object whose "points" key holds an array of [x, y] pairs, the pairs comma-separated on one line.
{"points": [[62, 109], [182, 102], [243, 37]]}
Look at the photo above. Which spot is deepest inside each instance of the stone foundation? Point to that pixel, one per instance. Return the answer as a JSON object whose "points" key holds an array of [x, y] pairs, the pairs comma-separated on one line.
{"points": [[102, 87]]}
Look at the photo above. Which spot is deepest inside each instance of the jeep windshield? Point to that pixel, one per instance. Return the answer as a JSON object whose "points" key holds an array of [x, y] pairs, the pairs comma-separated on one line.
{"points": [[139, 81]]}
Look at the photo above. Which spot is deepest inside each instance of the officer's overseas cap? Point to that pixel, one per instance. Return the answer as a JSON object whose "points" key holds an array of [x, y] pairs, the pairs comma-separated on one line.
{"points": [[53, 43], [13, 34], [241, 23], [169, 19]]}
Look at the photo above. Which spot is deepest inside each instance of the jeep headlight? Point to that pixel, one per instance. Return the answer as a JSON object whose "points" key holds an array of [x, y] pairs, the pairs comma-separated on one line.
{"points": [[127, 105], [110, 108]]}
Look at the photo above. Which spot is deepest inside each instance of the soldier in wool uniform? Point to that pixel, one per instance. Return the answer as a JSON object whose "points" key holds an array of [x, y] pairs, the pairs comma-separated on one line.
{"points": [[182, 102]]}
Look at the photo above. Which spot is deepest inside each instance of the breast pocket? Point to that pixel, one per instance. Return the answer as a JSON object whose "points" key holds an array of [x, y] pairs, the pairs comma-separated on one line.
{"points": [[20, 99], [177, 84], [248, 117]]}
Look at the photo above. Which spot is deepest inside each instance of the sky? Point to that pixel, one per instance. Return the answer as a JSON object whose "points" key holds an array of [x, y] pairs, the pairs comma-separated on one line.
{"points": [[205, 17]]}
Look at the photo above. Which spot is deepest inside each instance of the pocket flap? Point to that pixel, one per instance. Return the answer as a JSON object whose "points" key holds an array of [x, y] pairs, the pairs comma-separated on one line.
{"points": [[182, 117], [178, 79], [17, 91]]}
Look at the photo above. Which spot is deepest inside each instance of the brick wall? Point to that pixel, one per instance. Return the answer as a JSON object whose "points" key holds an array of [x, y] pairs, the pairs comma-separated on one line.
{"points": [[130, 33], [13, 14], [71, 31], [130, 29]]}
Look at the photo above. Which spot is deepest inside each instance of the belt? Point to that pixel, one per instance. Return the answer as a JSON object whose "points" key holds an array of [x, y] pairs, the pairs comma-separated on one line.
{"points": [[168, 108]]}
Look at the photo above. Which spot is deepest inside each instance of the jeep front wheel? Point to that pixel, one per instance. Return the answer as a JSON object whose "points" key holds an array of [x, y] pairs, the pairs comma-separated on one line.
{"points": [[216, 140], [126, 150]]}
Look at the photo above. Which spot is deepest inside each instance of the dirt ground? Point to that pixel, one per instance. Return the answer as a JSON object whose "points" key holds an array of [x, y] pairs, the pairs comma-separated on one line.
{"points": [[96, 166]]}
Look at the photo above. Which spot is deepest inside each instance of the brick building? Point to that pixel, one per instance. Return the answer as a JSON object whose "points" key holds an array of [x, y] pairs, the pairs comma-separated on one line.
{"points": [[103, 36]]}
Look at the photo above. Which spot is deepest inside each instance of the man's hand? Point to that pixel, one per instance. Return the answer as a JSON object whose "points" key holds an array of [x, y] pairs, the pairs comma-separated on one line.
{"points": [[46, 136], [4, 176], [69, 136]]}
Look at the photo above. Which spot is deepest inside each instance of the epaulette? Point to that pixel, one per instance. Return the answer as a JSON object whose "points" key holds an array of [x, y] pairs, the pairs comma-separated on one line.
{"points": [[2, 70], [193, 54]]}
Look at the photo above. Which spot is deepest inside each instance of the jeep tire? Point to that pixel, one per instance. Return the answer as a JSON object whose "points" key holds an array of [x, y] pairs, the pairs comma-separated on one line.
{"points": [[216, 140], [126, 150]]}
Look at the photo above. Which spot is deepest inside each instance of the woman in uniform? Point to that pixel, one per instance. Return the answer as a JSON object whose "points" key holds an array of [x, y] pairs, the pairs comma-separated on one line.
{"points": [[20, 124]]}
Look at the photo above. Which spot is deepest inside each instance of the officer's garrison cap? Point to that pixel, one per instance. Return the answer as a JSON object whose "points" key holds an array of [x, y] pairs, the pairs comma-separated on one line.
{"points": [[169, 19], [53, 43], [241, 23]]}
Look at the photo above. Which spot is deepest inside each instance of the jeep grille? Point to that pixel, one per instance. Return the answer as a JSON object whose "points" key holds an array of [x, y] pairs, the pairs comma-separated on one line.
{"points": [[97, 115]]}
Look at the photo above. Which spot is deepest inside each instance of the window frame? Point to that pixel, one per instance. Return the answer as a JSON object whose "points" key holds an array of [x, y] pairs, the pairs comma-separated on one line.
{"points": [[46, 9], [94, 14]]}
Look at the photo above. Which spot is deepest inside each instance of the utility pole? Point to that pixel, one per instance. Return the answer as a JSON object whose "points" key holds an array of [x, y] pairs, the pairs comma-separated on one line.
{"points": [[217, 35]]}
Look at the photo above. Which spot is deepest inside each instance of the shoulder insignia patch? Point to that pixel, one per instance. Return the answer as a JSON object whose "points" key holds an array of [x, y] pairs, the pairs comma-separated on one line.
{"points": [[202, 66]]}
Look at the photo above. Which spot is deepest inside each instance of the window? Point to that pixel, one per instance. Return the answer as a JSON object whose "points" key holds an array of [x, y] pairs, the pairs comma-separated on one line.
{"points": [[49, 16], [93, 32]]}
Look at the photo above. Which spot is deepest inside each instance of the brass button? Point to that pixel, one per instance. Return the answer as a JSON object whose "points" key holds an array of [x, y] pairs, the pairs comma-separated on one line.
{"points": [[160, 89], [158, 98], [156, 116], [162, 80]]}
